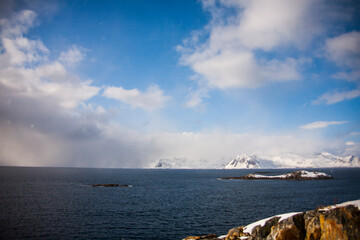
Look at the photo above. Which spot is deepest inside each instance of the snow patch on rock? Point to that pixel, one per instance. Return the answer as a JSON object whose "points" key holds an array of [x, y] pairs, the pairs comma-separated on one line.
{"points": [[250, 227], [355, 203]]}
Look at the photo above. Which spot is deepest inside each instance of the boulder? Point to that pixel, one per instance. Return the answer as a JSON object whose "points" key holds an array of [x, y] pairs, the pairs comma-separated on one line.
{"points": [[289, 228], [339, 223], [261, 232], [236, 233]]}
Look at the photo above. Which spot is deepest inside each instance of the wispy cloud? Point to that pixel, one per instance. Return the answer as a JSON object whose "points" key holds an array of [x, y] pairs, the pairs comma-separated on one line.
{"points": [[321, 124], [335, 97], [344, 49], [72, 56], [195, 98], [18, 23], [153, 98]]}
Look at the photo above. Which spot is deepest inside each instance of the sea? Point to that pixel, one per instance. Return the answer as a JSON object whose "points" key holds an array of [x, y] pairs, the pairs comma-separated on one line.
{"points": [[59, 203]]}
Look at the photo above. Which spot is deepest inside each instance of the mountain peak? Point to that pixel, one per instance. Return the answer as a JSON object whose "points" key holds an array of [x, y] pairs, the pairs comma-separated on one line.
{"points": [[243, 161]]}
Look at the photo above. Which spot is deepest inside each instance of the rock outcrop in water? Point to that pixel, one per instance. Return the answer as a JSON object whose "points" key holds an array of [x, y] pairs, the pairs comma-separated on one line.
{"points": [[298, 175], [110, 185], [338, 222]]}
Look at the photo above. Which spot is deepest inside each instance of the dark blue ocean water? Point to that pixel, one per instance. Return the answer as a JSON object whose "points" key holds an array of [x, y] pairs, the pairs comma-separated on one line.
{"points": [[162, 204]]}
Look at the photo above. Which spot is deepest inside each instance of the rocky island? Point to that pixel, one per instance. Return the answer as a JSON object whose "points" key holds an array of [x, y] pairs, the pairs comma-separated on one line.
{"points": [[110, 185], [337, 222], [297, 175]]}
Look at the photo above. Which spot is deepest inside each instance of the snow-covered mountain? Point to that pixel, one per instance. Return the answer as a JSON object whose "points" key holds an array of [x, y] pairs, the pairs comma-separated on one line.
{"points": [[321, 159], [184, 163], [173, 163], [292, 160], [164, 163], [243, 161], [353, 161]]}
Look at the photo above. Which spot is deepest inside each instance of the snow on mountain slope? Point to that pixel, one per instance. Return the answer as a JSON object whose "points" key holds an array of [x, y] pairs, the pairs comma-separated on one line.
{"points": [[325, 159], [173, 163], [285, 160], [293, 160], [184, 163], [352, 160], [243, 161], [316, 160]]}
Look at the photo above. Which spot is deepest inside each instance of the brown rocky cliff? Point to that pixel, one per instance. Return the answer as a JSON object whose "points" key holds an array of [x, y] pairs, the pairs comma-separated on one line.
{"points": [[332, 223]]}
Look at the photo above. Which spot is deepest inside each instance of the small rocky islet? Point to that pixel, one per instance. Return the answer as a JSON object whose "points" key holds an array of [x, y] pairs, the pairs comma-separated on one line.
{"points": [[297, 175], [110, 185]]}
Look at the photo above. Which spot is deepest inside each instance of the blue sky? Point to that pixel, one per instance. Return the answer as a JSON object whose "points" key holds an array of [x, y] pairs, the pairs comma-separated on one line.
{"points": [[125, 83]]}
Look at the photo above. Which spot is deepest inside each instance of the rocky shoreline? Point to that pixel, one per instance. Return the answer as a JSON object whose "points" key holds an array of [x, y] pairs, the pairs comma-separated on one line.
{"points": [[297, 175], [337, 222]]}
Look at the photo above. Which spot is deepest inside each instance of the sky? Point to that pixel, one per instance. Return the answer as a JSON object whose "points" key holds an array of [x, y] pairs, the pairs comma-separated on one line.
{"points": [[126, 83]]}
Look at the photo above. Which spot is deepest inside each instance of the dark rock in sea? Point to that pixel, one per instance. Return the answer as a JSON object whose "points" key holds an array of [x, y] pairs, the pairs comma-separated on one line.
{"points": [[297, 175], [338, 222], [109, 185]]}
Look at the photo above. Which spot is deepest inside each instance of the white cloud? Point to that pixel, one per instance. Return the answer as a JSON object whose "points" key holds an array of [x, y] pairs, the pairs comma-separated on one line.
{"points": [[351, 76], [72, 56], [321, 124], [344, 50], [18, 24], [239, 69], [22, 50], [335, 97], [195, 98], [226, 53], [153, 98], [281, 22], [352, 149], [26, 71], [350, 143]]}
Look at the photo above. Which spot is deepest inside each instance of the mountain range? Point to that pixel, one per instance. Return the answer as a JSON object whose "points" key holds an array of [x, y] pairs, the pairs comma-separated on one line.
{"points": [[286, 160]]}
